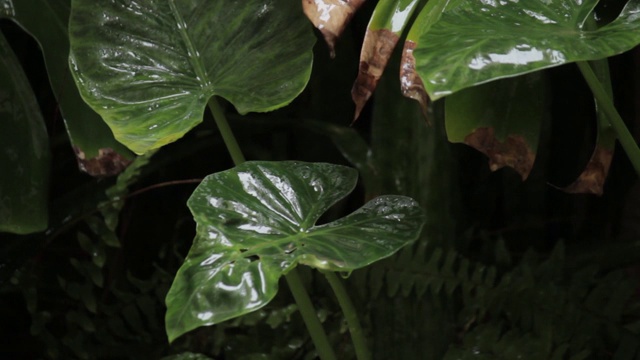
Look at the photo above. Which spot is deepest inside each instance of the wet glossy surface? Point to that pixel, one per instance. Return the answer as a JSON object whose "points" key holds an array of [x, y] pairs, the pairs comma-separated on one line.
{"points": [[24, 151], [257, 221], [503, 38], [149, 67]]}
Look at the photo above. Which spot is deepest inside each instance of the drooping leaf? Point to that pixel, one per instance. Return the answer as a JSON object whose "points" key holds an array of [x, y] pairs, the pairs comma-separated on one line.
{"points": [[385, 27], [257, 221], [501, 119], [410, 83], [331, 17], [149, 67], [24, 151], [508, 38], [592, 178], [97, 151]]}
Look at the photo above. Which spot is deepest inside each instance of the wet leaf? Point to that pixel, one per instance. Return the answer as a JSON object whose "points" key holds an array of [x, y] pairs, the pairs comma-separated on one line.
{"points": [[257, 221], [508, 38], [501, 119], [410, 83], [150, 67], [331, 17], [24, 151], [98, 152], [387, 22]]}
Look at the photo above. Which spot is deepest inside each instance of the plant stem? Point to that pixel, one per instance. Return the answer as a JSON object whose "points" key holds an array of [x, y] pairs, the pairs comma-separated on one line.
{"points": [[351, 315], [308, 312], [624, 136], [227, 135]]}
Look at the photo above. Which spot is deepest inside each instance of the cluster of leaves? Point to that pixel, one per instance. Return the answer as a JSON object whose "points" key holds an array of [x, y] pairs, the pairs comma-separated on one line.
{"points": [[149, 69]]}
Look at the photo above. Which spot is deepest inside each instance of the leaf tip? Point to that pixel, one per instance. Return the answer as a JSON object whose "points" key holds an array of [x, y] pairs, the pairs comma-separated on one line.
{"points": [[331, 17], [108, 162], [376, 50], [592, 179], [411, 84], [513, 152]]}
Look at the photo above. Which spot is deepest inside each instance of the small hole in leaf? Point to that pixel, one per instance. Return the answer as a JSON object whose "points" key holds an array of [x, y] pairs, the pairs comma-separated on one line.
{"points": [[253, 258]]}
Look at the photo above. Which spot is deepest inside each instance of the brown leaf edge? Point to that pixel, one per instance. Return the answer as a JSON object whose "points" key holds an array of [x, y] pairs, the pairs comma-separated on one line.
{"points": [[107, 163], [376, 50], [411, 84], [513, 152], [331, 17], [592, 179]]}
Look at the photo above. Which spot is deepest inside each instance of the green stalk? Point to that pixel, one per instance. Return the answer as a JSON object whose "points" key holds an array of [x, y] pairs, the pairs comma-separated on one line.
{"points": [[308, 312], [320, 339], [227, 135], [351, 315], [624, 136]]}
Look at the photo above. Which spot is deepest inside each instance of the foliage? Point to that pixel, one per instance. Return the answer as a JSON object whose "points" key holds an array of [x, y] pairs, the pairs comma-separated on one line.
{"points": [[473, 264]]}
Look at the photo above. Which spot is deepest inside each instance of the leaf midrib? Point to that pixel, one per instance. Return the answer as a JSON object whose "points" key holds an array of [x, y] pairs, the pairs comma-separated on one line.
{"points": [[192, 52]]}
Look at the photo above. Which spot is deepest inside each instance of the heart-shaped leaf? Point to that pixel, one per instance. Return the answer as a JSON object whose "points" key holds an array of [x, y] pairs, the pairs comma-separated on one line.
{"points": [[479, 41], [149, 67], [257, 221]]}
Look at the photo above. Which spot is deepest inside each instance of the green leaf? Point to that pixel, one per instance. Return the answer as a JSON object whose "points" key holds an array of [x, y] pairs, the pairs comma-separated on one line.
{"points": [[480, 41], [24, 151], [501, 119], [149, 67], [257, 221], [98, 152]]}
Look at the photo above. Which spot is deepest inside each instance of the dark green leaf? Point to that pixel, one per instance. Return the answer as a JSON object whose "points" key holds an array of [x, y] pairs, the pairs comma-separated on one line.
{"points": [[257, 221], [149, 67], [24, 151], [98, 152], [480, 41], [501, 119]]}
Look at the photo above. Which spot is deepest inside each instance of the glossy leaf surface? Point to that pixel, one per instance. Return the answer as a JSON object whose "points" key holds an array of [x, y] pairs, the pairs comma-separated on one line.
{"points": [[501, 119], [149, 67], [98, 152], [508, 38], [24, 151], [257, 221]]}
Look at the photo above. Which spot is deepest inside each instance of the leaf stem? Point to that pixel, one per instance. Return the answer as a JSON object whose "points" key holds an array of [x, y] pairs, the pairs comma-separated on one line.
{"points": [[308, 312], [604, 100], [350, 315], [227, 135]]}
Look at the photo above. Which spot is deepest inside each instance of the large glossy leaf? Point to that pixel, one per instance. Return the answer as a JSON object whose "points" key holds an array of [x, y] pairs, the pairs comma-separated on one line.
{"points": [[149, 67], [98, 152], [501, 119], [24, 151], [258, 221], [479, 41]]}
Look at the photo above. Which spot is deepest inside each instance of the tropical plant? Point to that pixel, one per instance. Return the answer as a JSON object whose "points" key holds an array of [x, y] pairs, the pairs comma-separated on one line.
{"points": [[442, 260]]}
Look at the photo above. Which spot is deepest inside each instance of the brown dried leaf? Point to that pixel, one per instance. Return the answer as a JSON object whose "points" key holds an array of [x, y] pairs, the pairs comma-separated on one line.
{"points": [[410, 83], [376, 50], [592, 179], [513, 152], [331, 17], [107, 163]]}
